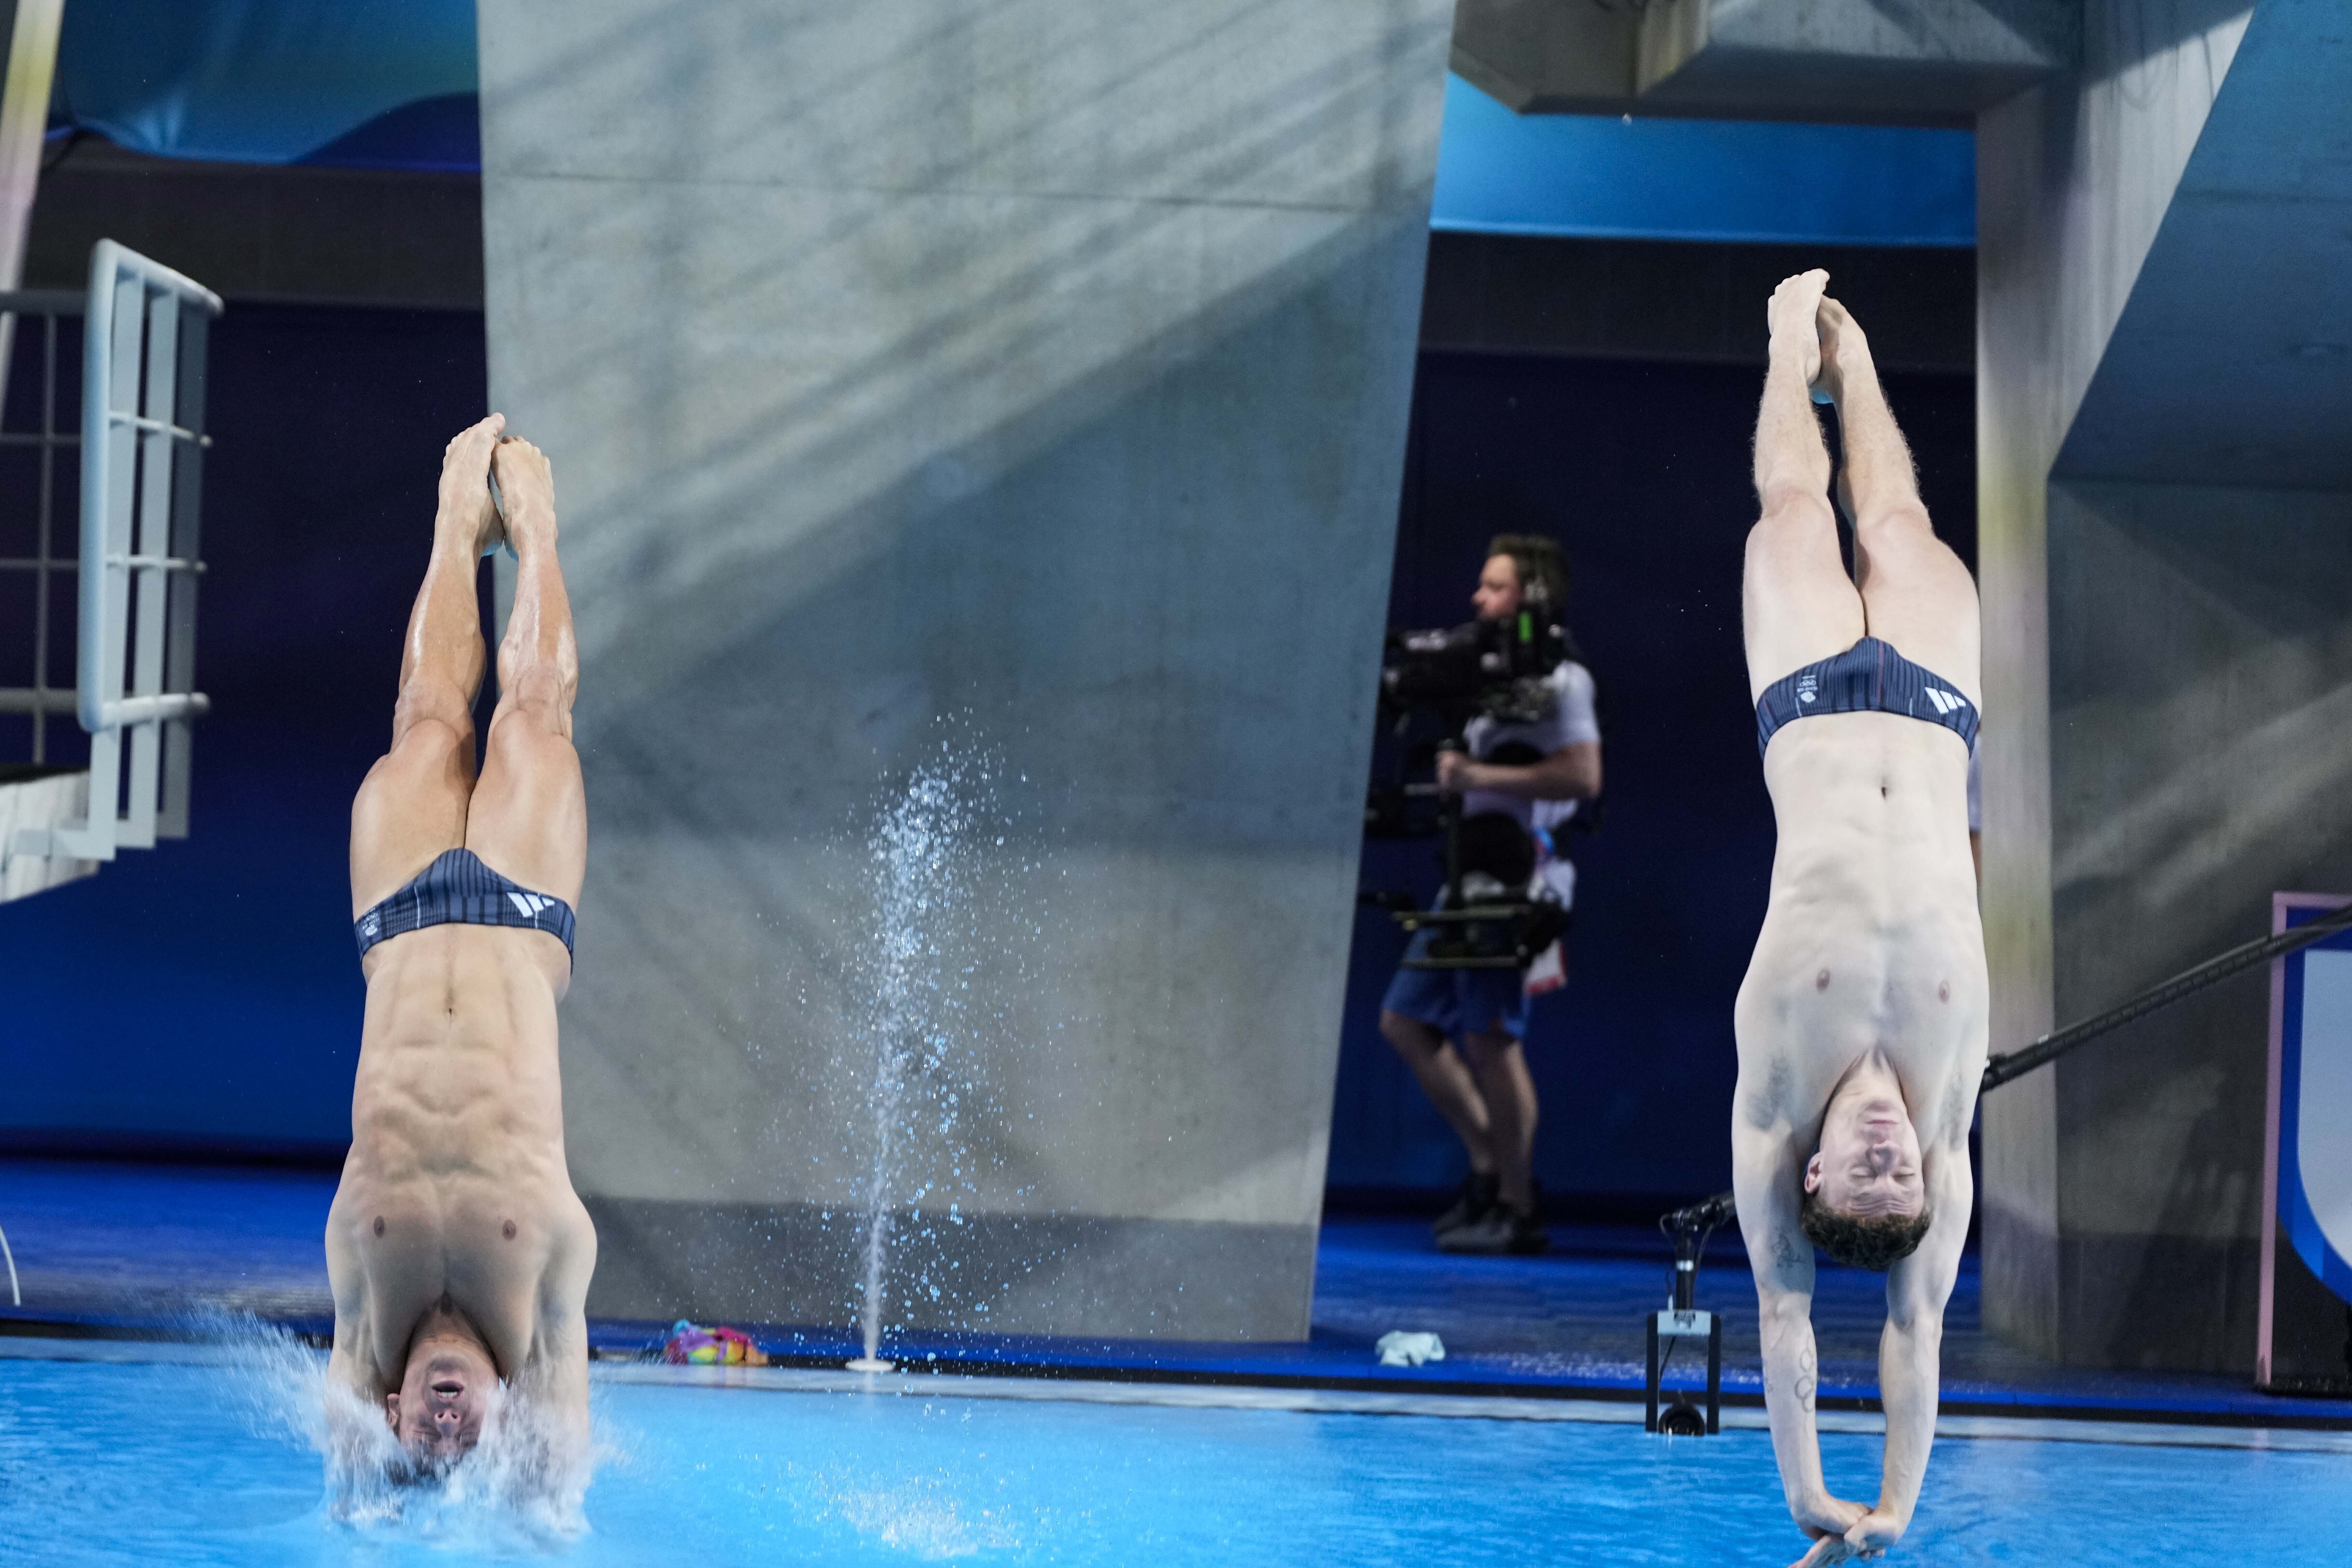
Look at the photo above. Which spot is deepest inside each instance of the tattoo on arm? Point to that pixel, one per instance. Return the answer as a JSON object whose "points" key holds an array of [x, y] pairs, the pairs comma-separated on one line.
{"points": [[1786, 1253], [1802, 1385]]}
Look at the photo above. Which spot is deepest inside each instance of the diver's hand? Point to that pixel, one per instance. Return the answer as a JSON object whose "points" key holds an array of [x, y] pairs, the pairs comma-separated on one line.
{"points": [[1875, 1532], [1826, 1519], [1867, 1537]]}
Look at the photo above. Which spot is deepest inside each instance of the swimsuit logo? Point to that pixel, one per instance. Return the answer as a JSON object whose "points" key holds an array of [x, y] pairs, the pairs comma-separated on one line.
{"points": [[1945, 701], [1808, 688], [530, 904], [370, 926]]}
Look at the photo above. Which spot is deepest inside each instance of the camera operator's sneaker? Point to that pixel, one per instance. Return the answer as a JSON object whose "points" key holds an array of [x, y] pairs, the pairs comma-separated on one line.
{"points": [[1471, 1204], [1500, 1231]]}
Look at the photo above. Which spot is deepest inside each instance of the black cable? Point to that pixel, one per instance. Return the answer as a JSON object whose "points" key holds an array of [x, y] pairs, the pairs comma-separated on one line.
{"points": [[1999, 1069]]}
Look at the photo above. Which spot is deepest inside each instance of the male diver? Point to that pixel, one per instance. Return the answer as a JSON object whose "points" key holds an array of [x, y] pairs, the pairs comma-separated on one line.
{"points": [[1862, 1021], [459, 1253]]}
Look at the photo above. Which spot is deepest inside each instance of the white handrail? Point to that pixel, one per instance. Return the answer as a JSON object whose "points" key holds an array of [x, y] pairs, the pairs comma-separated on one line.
{"points": [[16, 1297], [143, 443], [114, 273]]}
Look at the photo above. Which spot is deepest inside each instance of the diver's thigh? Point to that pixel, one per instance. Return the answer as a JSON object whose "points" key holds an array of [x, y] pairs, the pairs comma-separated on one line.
{"points": [[1796, 604], [409, 809], [530, 816], [1917, 597]]}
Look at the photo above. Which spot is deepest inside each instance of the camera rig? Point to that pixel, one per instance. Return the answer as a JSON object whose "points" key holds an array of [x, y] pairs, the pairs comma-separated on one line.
{"points": [[1445, 680], [1689, 1228]]}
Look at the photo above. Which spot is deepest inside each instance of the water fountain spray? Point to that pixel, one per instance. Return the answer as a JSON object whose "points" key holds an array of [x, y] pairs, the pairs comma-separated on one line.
{"points": [[917, 848]]}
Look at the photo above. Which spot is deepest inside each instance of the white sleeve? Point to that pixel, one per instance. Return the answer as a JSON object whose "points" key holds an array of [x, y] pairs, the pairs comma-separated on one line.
{"points": [[1573, 717]]}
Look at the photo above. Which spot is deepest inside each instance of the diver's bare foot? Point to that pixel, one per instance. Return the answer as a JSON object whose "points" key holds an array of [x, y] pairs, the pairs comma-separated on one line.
{"points": [[1845, 353], [1792, 317], [466, 506], [527, 485]]}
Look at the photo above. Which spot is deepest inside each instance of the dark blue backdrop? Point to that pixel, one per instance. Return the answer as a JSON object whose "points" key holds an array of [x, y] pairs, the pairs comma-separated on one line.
{"points": [[1641, 472], [205, 991], [206, 994]]}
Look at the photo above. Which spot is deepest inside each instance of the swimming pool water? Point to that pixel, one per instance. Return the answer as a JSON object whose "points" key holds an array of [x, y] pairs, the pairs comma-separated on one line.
{"points": [[145, 1462]]}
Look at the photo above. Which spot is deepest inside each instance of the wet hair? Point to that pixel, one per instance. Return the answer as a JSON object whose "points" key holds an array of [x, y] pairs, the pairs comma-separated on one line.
{"points": [[1876, 1244], [1541, 563], [407, 1470]]}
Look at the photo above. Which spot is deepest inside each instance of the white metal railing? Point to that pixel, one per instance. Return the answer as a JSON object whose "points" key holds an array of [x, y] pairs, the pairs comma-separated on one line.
{"points": [[51, 444], [142, 441]]}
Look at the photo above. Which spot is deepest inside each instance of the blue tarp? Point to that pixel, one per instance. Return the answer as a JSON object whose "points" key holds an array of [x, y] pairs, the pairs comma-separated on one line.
{"points": [[275, 81], [1500, 172]]}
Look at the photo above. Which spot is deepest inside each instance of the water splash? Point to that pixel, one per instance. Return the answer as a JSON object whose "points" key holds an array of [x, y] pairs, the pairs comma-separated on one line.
{"points": [[920, 852], [521, 1487]]}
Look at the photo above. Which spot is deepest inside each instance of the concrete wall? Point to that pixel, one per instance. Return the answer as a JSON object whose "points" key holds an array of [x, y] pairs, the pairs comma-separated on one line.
{"points": [[1891, 61], [2165, 643], [1030, 381], [2201, 688]]}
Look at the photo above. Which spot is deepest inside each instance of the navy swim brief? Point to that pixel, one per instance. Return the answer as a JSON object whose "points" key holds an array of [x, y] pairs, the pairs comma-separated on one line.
{"points": [[1868, 677], [457, 889]]}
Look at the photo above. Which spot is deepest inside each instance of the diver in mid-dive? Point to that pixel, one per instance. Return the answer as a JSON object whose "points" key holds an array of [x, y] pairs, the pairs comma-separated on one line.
{"points": [[459, 1253], [1861, 1022]]}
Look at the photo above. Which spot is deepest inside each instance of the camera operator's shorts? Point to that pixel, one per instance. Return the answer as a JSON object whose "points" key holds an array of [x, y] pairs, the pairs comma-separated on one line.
{"points": [[1458, 1002]]}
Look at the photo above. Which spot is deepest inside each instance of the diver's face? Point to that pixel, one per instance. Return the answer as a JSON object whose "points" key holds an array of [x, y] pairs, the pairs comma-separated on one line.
{"points": [[1868, 1164], [1497, 598], [445, 1395]]}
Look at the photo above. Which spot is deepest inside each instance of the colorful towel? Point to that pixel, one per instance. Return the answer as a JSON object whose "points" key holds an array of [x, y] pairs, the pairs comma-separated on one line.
{"points": [[689, 1345]]}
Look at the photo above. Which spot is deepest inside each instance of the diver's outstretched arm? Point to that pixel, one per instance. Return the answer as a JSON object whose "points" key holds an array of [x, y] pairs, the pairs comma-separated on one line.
{"points": [[1767, 1167]]}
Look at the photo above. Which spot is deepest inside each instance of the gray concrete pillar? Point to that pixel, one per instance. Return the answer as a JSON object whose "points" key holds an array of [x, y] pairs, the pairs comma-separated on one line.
{"points": [[1032, 376], [2163, 491]]}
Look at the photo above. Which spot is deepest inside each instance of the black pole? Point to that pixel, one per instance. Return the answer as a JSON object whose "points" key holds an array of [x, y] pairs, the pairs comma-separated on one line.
{"points": [[2003, 1068], [1685, 1269], [1449, 817], [1650, 1411], [2050, 1048], [1715, 1375]]}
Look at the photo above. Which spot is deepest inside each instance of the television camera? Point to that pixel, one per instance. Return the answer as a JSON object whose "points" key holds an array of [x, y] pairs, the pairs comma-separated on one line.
{"points": [[1442, 681]]}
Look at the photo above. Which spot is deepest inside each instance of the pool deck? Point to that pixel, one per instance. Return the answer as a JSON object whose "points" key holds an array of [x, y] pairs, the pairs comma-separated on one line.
{"points": [[147, 1250]]}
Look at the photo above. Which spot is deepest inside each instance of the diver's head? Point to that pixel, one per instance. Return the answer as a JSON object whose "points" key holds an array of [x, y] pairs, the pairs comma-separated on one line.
{"points": [[445, 1394], [1865, 1200]]}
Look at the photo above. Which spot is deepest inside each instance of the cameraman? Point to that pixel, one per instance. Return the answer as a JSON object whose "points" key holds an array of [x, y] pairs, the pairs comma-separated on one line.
{"points": [[1518, 782]]}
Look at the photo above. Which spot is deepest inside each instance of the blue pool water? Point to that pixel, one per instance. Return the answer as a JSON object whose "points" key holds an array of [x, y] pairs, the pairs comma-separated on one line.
{"points": [[143, 1462]]}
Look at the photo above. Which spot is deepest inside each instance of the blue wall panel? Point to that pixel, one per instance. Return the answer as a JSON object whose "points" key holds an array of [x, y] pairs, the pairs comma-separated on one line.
{"points": [[206, 991], [1700, 179]]}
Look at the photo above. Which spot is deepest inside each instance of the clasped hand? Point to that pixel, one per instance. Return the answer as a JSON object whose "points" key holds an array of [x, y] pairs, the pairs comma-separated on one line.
{"points": [[1843, 1530]]}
